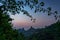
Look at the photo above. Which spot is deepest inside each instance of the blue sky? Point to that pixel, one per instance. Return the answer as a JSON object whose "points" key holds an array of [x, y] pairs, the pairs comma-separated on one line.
{"points": [[42, 19]]}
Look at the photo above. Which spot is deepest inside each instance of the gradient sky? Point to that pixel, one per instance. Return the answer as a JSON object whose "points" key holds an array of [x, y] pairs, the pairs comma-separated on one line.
{"points": [[42, 19]]}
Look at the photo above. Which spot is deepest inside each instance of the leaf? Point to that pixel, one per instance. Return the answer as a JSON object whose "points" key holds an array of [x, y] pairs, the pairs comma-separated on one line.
{"points": [[31, 6], [34, 20], [49, 8], [13, 12], [42, 3], [48, 14], [35, 11], [26, 13], [36, 1], [56, 12], [55, 17]]}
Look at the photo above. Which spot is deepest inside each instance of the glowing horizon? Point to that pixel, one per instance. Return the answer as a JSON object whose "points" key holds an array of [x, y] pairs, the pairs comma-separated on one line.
{"points": [[22, 21]]}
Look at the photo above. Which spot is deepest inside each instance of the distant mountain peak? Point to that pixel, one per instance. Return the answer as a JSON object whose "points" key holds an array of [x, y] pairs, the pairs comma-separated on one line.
{"points": [[31, 28]]}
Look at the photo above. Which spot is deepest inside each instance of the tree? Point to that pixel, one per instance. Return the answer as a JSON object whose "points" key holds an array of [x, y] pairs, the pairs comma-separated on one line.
{"points": [[17, 6], [6, 31], [51, 32]]}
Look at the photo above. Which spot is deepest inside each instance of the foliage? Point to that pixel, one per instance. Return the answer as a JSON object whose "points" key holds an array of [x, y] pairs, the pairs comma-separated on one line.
{"points": [[17, 6], [51, 32], [6, 31]]}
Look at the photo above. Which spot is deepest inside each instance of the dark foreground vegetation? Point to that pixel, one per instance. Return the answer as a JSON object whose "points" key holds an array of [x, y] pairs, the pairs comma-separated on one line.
{"points": [[51, 32]]}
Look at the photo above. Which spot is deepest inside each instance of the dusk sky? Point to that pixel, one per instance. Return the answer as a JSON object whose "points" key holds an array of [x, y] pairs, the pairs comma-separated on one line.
{"points": [[42, 19]]}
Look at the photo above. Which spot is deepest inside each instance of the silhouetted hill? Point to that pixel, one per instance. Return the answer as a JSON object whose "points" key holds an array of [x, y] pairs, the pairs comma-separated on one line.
{"points": [[51, 32], [29, 31], [21, 30]]}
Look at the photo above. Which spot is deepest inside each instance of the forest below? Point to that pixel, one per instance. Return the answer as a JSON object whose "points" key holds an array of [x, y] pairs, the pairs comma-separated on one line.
{"points": [[51, 32]]}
